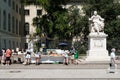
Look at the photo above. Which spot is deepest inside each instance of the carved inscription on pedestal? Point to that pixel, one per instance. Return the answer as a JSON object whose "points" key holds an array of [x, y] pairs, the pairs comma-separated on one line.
{"points": [[98, 43]]}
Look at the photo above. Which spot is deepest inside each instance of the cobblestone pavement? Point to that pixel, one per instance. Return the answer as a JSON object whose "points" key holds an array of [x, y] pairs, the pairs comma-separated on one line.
{"points": [[59, 66], [93, 74], [62, 79], [82, 71]]}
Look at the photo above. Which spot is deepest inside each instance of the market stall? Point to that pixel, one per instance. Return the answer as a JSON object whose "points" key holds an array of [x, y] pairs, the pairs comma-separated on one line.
{"points": [[53, 56]]}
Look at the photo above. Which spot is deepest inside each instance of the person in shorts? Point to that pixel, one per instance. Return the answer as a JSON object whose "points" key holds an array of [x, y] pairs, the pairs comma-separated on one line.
{"points": [[28, 57], [37, 57], [65, 58], [8, 55]]}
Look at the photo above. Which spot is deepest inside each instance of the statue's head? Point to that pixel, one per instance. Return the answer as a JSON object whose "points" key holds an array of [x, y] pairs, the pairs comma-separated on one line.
{"points": [[95, 12]]}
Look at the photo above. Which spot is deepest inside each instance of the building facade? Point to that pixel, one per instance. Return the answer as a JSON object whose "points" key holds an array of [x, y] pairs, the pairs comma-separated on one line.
{"points": [[11, 24], [30, 11]]}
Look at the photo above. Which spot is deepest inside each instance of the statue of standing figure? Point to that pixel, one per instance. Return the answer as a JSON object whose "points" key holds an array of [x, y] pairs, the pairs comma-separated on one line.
{"points": [[30, 46], [96, 23]]}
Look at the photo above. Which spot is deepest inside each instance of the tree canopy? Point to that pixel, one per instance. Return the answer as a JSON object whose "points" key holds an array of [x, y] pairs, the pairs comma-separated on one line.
{"points": [[109, 10], [59, 22], [54, 21]]}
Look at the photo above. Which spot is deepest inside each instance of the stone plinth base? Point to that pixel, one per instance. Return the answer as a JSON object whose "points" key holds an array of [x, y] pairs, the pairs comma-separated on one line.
{"points": [[97, 47], [99, 55]]}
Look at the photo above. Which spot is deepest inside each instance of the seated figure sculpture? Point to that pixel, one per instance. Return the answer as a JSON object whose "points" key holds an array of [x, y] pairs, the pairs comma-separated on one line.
{"points": [[96, 23]]}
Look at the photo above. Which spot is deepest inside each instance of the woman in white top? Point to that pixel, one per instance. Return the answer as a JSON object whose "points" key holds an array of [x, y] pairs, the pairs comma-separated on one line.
{"points": [[65, 58], [28, 57]]}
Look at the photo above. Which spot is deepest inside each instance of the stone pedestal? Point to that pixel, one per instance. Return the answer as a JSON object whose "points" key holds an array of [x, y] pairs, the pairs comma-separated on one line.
{"points": [[97, 47]]}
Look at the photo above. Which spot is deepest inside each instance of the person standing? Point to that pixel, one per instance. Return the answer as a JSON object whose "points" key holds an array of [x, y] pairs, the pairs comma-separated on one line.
{"points": [[3, 57], [72, 52], [37, 57], [65, 58], [113, 57], [28, 57], [113, 60], [72, 58], [76, 56], [8, 55]]}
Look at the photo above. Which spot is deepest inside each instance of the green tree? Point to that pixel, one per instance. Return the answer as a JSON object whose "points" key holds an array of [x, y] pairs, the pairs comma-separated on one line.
{"points": [[77, 22], [109, 10], [54, 21], [78, 27]]}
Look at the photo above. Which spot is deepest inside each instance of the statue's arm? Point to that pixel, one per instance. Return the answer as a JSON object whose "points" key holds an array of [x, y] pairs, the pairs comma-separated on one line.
{"points": [[102, 19], [90, 19]]}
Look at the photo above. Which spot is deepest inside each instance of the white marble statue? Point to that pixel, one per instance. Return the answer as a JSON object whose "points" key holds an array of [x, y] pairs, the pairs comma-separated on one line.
{"points": [[96, 23], [30, 45]]}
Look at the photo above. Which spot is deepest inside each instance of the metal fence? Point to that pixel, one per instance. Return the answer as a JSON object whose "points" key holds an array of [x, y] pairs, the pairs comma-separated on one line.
{"points": [[82, 46]]}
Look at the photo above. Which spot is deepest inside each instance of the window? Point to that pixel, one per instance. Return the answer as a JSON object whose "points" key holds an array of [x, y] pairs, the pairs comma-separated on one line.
{"points": [[9, 2], [5, 0], [19, 32], [4, 19], [13, 44], [13, 5], [39, 12], [4, 43], [0, 18], [16, 26], [9, 43], [26, 45], [26, 28], [13, 24], [9, 22], [27, 12], [0, 42], [17, 44], [17, 8]]}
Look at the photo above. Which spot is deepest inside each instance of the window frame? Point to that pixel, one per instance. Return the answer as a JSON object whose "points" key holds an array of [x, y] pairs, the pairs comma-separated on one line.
{"points": [[27, 12]]}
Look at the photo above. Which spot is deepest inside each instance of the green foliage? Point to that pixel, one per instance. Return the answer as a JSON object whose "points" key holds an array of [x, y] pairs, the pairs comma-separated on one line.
{"points": [[109, 11], [54, 23], [60, 23], [77, 23]]}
